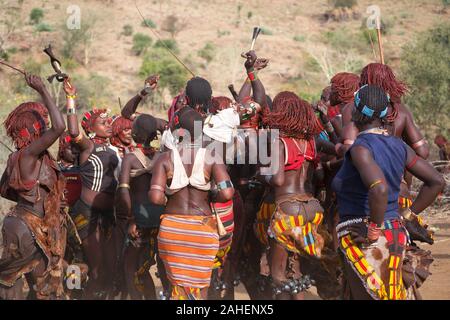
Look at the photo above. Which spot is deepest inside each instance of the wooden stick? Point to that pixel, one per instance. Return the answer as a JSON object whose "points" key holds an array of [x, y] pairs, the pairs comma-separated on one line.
{"points": [[120, 103], [380, 44], [373, 47], [162, 42], [12, 67], [6, 146]]}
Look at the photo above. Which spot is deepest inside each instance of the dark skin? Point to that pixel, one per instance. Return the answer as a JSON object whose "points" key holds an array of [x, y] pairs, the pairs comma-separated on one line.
{"points": [[287, 183], [139, 187], [333, 100], [131, 106], [125, 137], [247, 86], [30, 160], [403, 127], [70, 155], [99, 251], [378, 195], [188, 201], [102, 128], [259, 93]]}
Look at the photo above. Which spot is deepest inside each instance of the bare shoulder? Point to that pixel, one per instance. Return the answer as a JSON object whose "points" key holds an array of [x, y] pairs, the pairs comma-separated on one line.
{"points": [[130, 160]]}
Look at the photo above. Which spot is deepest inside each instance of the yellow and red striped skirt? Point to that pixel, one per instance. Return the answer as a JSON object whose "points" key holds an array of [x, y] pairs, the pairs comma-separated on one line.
{"points": [[187, 245], [298, 233], [379, 266]]}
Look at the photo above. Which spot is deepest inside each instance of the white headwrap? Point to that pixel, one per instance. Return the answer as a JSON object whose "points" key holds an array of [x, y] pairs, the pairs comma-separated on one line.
{"points": [[222, 126]]}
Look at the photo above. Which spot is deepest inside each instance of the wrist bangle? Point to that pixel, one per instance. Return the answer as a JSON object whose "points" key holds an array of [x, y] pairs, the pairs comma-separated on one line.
{"points": [[123, 185], [71, 111], [373, 231], [69, 96], [157, 187]]}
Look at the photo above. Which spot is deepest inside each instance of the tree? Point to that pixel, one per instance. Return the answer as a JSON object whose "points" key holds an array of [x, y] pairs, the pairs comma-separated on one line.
{"points": [[141, 43], [36, 15], [9, 21], [426, 69], [76, 38], [173, 25], [173, 75]]}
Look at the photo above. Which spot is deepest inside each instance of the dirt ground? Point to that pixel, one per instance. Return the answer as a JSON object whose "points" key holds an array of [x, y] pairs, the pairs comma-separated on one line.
{"points": [[436, 287]]}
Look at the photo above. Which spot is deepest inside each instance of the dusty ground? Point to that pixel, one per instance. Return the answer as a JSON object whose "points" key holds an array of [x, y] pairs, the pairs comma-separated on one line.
{"points": [[436, 287]]}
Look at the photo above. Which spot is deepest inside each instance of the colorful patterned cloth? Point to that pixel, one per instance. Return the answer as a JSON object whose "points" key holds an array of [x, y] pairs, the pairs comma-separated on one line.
{"points": [[188, 246], [298, 233], [225, 212], [262, 222], [379, 266]]}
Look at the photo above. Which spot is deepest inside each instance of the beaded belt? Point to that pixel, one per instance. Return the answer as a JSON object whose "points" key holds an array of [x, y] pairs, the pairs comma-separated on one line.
{"points": [[347, 223]]}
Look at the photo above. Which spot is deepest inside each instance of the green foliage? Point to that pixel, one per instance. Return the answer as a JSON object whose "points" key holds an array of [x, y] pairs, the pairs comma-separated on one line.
{"points": [[70, 64], [266, 31], [312, 65], [221, 33], [77, 40], [342, 40], [446, 3], [169, 43], [386, 28], [309, 97], [343, 3], [249, 14], [141, 43], [92, 91], [299, 38], [6, 54], [207, 52], [127, 30], [36, 15], [426, 69], [43, 27], [31, 66], [173, 75], [149, 23]]}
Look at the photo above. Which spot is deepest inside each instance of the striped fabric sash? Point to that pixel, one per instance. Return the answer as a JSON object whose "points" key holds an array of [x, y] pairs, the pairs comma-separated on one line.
{"points": [[188, 245]]}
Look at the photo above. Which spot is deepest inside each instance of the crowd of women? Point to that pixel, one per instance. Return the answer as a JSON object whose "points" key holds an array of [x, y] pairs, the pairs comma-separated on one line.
{"points": [[332, 209]]}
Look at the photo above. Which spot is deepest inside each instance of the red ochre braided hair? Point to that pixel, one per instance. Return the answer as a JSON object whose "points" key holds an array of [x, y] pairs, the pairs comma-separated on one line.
{"points": [[381, 75], [293, 116], [219, 103], [26, 123], [345, 84], [89, 118], [64, 143], [119, 124]]}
